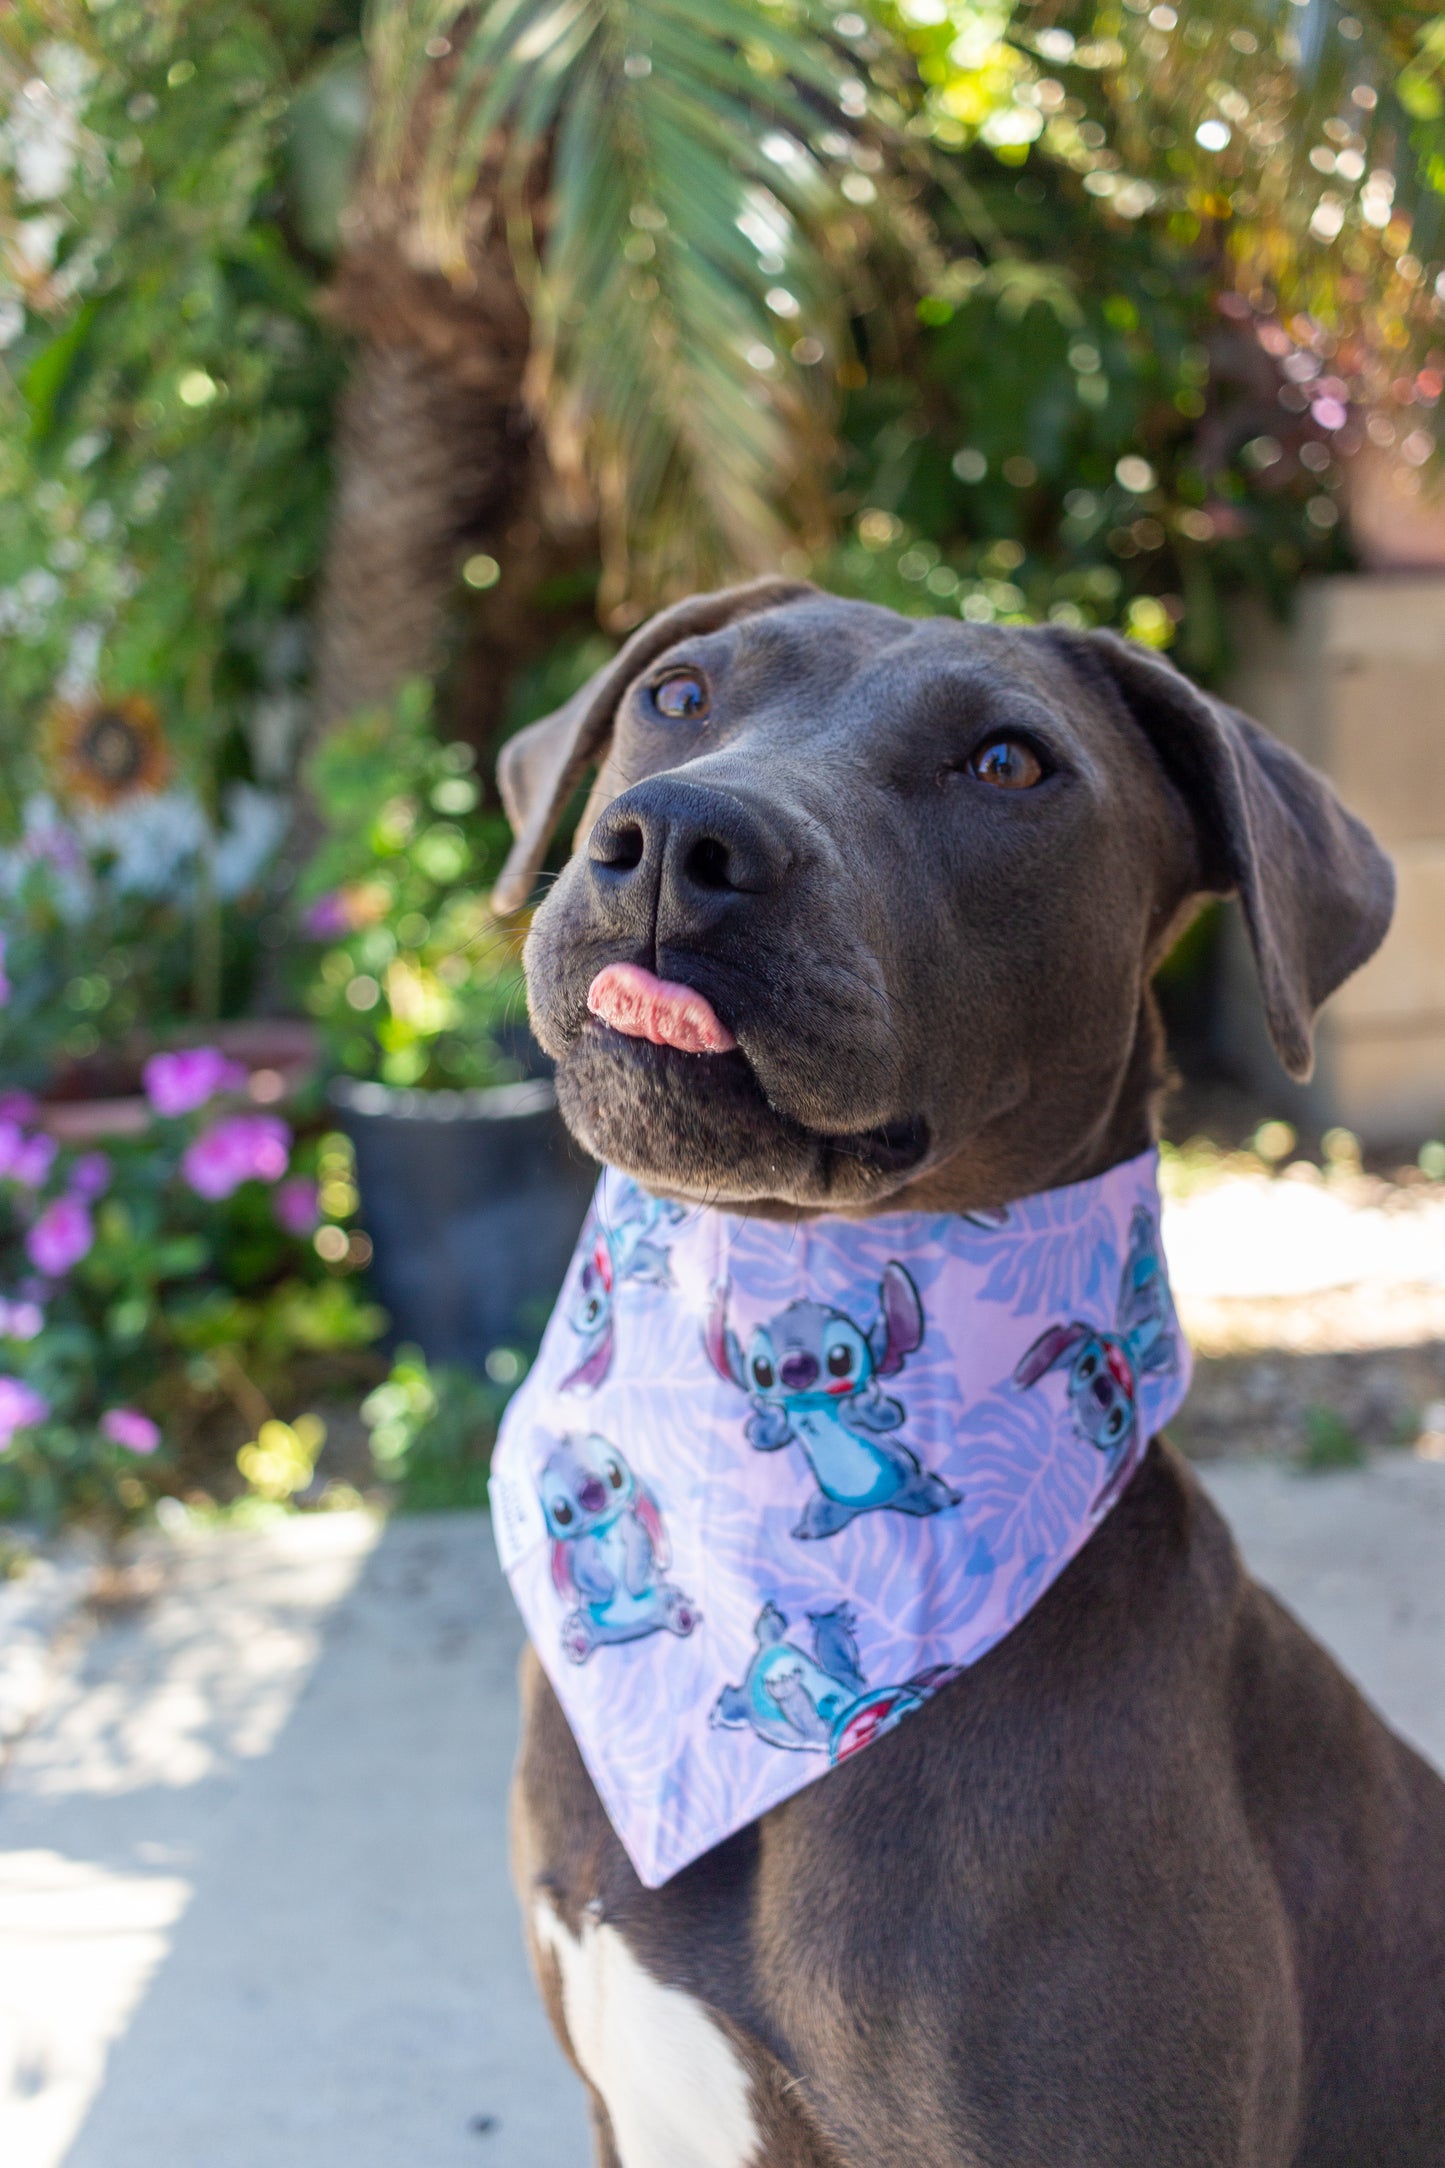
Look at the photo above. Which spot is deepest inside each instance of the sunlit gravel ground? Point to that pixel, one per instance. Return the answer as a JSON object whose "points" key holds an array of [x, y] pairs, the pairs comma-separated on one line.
{"points": [[1315, 1303]]}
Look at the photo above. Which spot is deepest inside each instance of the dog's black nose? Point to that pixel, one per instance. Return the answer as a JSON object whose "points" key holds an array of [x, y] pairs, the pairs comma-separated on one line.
{"points": [[669, 858], [592, 1497], [798, 1372]]}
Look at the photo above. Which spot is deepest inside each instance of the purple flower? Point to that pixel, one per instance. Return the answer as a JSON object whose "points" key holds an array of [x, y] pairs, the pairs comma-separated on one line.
{"points": [[296, 1206], [243, 1148], [327, 919], [18, 1107], [20, 1406], [60, 1237], [179, 1083], [90, 1175], [128, 1427], [34, 1160], [4, 982], [25, 1158], [20, 1320]]}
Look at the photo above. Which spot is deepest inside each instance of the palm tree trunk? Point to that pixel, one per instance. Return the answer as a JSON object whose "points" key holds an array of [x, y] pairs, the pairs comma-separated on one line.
{"points": [[433, 452]]}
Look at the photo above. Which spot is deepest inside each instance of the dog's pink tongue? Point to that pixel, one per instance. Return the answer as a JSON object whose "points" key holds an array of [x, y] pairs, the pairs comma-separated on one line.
{"points": [[635, 1002]]}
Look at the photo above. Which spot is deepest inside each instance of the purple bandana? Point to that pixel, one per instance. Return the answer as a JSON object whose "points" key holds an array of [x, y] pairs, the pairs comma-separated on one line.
{"points": [[769, 1486]]}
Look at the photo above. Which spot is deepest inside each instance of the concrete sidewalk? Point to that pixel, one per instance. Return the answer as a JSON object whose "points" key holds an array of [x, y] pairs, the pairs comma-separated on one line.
{"points": [[254, 1910]]}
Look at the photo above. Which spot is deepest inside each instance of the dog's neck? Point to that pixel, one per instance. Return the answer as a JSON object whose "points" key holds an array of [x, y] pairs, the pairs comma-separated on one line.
{"points": [[1055, 1130], [1064, 1129]]}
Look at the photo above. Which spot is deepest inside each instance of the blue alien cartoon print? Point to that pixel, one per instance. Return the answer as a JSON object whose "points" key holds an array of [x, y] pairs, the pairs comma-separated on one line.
{"points": [[1105, 1367], [817, 1700], [812, 1376], [628, 1249], [609, 1550]]}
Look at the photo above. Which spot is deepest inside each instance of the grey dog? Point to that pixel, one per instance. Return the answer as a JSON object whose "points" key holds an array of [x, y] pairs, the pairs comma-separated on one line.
{"points": [[1150, 1885]]}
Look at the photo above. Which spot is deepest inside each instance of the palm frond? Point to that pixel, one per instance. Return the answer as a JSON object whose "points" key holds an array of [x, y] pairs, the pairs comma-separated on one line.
{"points": [[677, 176]]}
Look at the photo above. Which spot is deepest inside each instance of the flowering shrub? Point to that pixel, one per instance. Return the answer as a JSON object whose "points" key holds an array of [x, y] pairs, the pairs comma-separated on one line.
{"points": [[243, 1148], [144, 1287], [21, 1407], [99, 926], [178, 1083], [61, 1236]]}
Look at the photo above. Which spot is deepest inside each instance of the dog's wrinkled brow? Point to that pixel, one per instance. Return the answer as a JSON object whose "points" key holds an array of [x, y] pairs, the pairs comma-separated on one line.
{"points": [[953, 703], [768, 657]]}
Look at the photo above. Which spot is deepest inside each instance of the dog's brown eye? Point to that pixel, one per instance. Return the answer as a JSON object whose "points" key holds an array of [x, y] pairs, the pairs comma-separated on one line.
{"points": [[762, 1373], [840, 1360], [681, 696], [1007, 765], [561, 1513], [614, 1475]]}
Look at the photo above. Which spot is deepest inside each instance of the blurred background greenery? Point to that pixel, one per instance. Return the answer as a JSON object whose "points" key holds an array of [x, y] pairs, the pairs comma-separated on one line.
{"points": [[366, 374]]}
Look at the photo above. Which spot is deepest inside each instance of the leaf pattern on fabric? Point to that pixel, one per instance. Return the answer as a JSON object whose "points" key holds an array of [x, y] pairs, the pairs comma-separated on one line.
{"points": [[1034, 1272], [1028, 1487]]}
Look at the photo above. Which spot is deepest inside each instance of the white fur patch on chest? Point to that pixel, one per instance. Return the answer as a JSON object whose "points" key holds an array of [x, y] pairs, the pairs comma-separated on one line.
{"points": [[676, 2090]]}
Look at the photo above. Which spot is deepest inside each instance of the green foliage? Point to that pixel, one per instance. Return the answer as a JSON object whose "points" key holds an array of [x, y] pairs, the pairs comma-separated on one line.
{"points": [[1071, 191], [725, 185], [325, 129], [281, 1459], [1118, 407], [432, 1431], [418, 980], [1329, 1441], [166, 384], [37, 1025], [687, 283], [1082, 444], [99, 920], [1304, 150], [170, 1306]]}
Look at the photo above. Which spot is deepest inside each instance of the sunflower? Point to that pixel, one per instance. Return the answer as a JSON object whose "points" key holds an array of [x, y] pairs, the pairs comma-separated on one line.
{"points": [[107, 750]]}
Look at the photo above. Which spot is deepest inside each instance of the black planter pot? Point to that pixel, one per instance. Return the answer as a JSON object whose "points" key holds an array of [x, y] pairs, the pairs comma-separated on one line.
{"points": [[473, 1201]]}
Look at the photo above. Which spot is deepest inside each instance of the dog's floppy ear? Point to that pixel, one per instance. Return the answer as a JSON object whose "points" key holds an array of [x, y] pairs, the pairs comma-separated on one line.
{"points": [[1318, 892], [542, 765]]}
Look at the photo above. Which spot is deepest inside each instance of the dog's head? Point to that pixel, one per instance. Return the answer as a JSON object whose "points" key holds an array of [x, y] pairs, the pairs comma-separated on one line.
{"points": [[919, 873]]}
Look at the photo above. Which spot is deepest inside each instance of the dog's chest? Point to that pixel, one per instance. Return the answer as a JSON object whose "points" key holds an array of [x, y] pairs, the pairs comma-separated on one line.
{"points": [[676, 2090]]}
